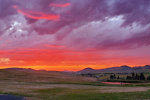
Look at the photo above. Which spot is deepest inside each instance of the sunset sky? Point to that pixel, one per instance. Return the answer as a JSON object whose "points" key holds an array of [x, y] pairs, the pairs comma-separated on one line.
{"points": [[74, 34]]}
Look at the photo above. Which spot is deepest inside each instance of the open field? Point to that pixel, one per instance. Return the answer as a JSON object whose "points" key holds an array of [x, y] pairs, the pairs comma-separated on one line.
{"points": [[42, 85], [42, 91], [36, 91]]}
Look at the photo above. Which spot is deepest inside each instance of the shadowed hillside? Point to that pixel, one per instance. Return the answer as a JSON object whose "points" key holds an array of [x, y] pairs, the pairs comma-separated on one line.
{"points": [[30, 75], [121, 69]]}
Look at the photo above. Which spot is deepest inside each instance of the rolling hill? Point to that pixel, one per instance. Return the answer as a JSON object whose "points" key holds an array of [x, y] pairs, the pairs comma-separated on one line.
{"points": [[121, 69], [31, 75]]}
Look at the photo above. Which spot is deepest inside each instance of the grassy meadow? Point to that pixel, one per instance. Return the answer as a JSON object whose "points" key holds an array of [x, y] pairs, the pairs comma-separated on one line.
{"points": [[42, 85]]}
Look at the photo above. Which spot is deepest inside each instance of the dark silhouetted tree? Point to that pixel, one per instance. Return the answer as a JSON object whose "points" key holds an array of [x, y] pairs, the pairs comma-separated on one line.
{"points": [[118, 77], [113, 76], [142, 77], [128, 78], [137, 77], [133, 76]]}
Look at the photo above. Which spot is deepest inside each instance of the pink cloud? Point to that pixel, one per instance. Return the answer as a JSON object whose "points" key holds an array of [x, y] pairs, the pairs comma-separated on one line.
{"points": [[60, 5], [37, 15]]}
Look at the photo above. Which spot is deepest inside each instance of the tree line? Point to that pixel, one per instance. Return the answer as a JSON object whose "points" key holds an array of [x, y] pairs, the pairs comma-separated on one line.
{"points": [[134, 76]]}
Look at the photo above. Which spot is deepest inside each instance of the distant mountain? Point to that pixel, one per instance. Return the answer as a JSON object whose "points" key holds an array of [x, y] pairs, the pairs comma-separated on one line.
{"points": [[147, 67], [28, 70], [19, 69], [121, 69], [87, 70]]}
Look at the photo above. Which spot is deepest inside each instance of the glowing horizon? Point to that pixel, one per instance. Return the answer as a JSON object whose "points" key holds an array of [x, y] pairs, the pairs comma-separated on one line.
{"points": [[67, 68]]}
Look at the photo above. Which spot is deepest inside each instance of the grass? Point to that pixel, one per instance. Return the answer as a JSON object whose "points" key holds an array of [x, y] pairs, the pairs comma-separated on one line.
{"points": [[63, 93], [60, 86], [86, 94], [90, 95]]}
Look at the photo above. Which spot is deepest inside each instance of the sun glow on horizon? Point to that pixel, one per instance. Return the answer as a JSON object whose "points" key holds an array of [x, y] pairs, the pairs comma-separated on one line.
{"points": [[69, 68]]}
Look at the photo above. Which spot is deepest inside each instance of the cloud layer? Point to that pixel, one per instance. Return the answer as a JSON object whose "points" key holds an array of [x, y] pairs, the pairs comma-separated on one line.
{"points": [[61, 17], [77, 25]]}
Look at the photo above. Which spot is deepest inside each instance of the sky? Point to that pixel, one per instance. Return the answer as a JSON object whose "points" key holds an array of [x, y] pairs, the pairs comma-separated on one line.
{"points": [[74, 34]]}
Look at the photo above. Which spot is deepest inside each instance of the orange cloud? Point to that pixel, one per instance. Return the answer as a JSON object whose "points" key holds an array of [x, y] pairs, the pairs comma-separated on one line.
{"points": [[60, 5], [37, 15]]}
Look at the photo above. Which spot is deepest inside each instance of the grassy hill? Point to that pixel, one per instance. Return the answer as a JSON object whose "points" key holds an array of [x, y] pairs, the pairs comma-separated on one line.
{"points": [[121, 69], [30, 75]]}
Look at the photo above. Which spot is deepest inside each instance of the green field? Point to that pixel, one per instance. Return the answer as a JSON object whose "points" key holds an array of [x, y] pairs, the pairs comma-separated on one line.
{"points": [[76, 92], [41, 85]]}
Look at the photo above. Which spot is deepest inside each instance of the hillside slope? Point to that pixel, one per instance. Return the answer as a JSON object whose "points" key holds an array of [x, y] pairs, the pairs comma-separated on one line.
{"points": [[121, 69], [30, 75]]}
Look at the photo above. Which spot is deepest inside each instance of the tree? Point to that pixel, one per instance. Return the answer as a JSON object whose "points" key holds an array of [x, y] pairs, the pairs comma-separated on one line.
{"points": [[137, 77], [113, 76], [142, 77], [128, 78], [118, 77], [133, 76]]}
